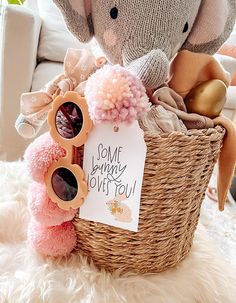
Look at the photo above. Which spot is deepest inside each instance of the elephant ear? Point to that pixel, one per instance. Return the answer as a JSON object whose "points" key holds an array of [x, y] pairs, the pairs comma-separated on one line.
{"points": [[78, 17], [212, 27]]}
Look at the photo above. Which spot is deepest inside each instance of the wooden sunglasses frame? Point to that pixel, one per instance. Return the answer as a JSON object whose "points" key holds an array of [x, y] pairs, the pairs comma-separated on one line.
{"points": [[69, 162]]}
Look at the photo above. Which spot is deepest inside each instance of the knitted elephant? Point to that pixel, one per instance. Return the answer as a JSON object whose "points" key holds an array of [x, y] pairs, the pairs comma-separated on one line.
{"points": [[144, 35]]}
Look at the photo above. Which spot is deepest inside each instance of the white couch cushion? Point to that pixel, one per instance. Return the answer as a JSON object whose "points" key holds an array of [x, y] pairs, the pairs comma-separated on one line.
{"points": [[228, 63], [32, 4], [19, 33], [232, 37], [44, 73], [231, 98], [55, 38]]}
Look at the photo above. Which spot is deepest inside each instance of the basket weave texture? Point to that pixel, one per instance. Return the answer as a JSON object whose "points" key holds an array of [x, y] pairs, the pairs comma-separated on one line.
{"points": [[177, 171]]}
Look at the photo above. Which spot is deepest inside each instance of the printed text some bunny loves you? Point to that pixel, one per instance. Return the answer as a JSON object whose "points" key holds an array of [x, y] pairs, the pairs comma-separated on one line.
{"points": [[108, 171]]}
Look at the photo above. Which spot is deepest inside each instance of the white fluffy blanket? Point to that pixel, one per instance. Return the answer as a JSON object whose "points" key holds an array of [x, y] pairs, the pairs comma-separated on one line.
{"points": [[204, 277]]}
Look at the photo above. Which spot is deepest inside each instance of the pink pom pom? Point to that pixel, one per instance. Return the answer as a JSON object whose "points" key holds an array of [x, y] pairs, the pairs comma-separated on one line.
{"points": [[52, 241], [40, 154], [114, 94], [45, 211]]}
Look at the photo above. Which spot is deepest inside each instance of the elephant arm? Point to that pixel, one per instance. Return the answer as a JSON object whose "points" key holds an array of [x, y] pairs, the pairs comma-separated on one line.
{"points": [[152, 68]]}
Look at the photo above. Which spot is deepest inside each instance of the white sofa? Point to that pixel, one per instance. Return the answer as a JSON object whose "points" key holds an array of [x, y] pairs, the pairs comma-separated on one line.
{"points": [[34, 40], [33, 44]]}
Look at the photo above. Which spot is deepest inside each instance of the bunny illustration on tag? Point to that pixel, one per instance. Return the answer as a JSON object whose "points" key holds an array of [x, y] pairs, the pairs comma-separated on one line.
{"points": [[120, 211]]}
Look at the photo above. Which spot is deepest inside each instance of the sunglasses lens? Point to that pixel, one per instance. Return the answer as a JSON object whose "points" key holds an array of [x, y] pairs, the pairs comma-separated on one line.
{"points": [[64, 184], [69, 120]]}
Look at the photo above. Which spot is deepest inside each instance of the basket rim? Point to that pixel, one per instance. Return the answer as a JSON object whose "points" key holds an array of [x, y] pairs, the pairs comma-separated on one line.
{"points": [[218, 129]]}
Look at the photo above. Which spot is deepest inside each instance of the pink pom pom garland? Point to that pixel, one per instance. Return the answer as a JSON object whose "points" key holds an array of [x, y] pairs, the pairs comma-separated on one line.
{"points": [[116, 95], [54, 241], [47, 233], [44, 211], [40, 154]]}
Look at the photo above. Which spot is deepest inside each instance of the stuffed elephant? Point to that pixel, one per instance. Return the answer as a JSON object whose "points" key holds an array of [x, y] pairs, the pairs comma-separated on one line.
{"points": [[143, 35]]}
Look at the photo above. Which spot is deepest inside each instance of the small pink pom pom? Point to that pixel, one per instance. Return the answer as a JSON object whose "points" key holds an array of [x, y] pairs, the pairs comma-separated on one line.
{"points": [[52, 241], [40, 154], [116, 95], [45, 211]]}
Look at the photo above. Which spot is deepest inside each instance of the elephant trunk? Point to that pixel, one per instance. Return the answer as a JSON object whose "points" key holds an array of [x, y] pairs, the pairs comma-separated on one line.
{"points": [[151, 68]]}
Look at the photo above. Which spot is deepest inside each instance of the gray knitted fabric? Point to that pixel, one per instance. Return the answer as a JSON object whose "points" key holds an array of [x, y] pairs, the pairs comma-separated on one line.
{"points": [[145, 34]]}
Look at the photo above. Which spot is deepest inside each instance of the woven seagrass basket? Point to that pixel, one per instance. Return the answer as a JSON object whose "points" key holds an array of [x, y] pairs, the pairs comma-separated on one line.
{"points": [[177, 171]]}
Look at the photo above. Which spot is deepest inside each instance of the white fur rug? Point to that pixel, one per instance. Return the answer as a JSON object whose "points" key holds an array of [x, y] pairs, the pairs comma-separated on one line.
{"points": [[221, 226], [204, 277]]}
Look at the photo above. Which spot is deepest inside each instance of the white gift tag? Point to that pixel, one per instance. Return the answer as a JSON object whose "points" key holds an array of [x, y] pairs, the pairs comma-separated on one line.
{"points": [[114, 166]]}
